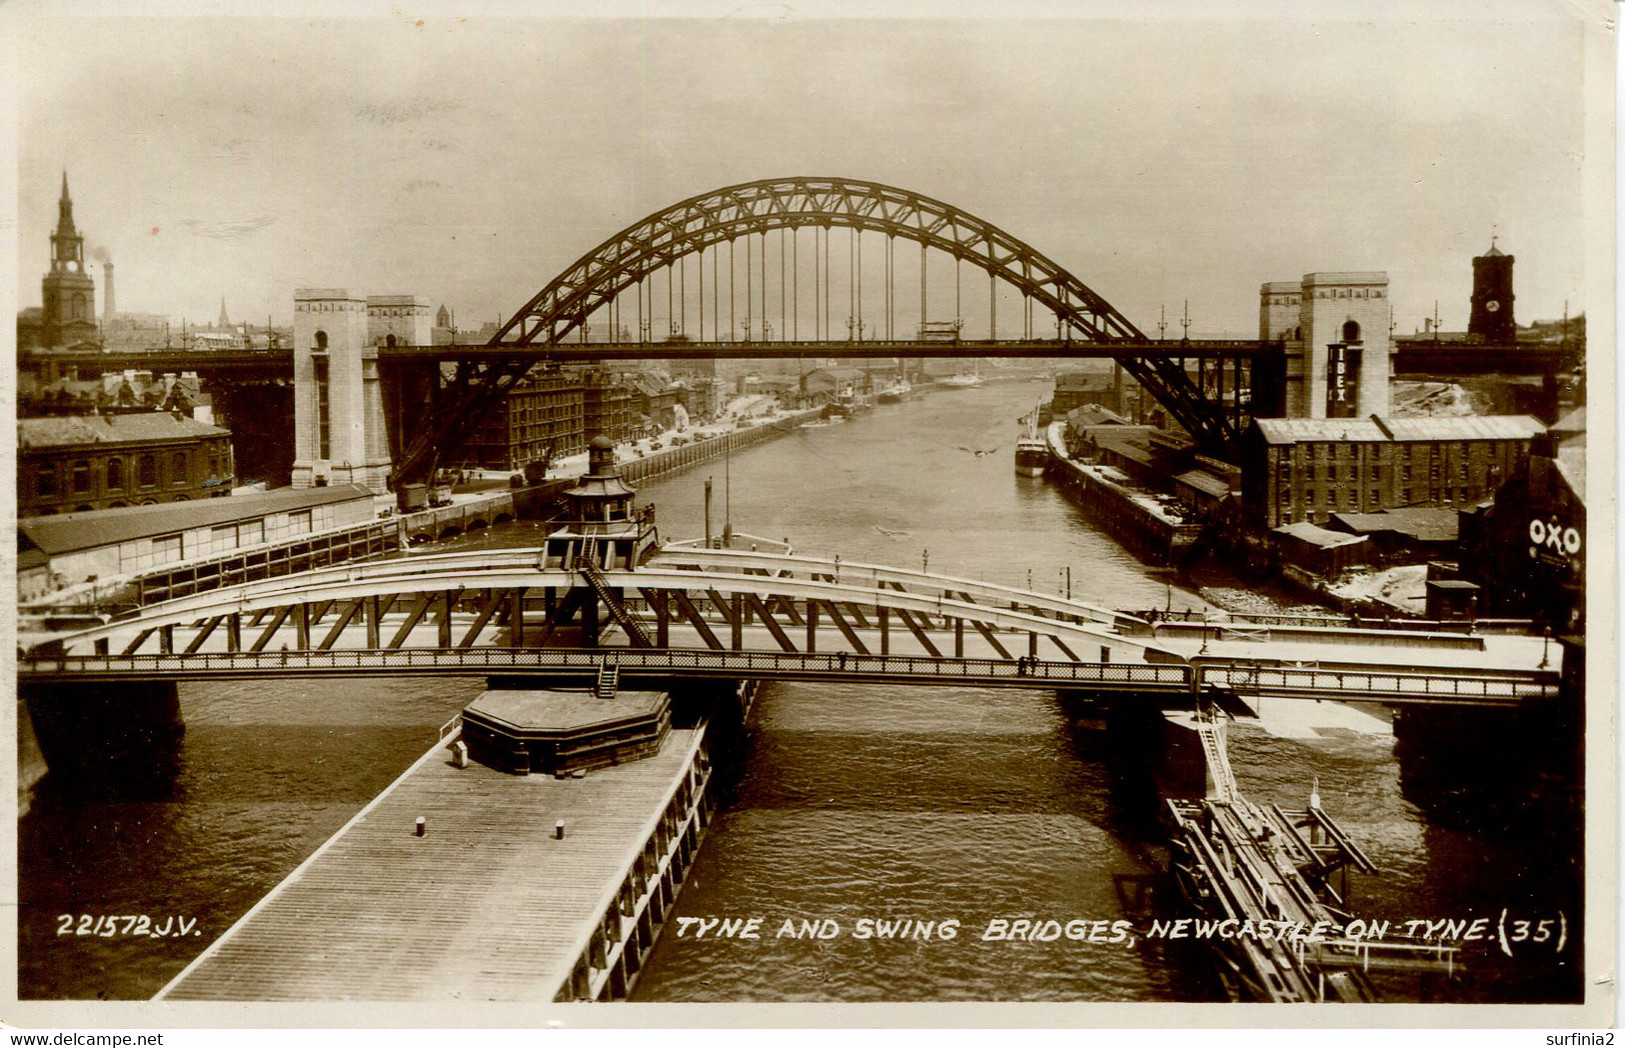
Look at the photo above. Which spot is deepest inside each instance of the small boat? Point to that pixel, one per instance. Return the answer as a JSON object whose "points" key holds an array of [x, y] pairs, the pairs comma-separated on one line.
{"points": [[963, 380], [894, 394]]}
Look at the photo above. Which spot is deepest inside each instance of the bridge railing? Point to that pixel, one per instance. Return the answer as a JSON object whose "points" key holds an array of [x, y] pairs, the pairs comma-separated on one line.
{"points": [[1379, 685], [1199, 617], [1246, 680], [698, 661]]}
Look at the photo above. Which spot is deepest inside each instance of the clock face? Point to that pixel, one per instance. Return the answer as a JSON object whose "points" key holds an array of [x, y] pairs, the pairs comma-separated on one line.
{"points": [[1492, 305], [73, 267]]}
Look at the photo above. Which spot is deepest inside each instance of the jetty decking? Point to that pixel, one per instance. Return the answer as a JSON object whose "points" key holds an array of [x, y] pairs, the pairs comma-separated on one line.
{"points": [[486, 905]]}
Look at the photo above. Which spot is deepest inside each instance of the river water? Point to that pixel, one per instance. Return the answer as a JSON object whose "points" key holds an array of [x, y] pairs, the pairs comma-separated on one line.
{"points": [[854, 804]]}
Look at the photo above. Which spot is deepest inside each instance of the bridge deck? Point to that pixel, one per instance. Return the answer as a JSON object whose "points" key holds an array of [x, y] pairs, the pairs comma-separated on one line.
{"points": [[486, 906]]}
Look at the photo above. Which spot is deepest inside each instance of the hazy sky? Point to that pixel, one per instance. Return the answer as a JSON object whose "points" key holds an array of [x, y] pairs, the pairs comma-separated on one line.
{"points": [[470, 160]]}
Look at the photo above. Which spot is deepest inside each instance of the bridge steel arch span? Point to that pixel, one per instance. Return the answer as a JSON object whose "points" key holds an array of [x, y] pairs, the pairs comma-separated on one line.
{"points": [[794, 203], [688, 227]]}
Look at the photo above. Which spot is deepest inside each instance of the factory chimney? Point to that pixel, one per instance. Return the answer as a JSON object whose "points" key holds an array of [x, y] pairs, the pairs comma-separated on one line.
{"points": [[109, 303]]}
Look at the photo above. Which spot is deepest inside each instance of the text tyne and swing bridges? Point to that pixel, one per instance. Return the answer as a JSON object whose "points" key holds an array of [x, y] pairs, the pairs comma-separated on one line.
{"points": [[584, 637]]}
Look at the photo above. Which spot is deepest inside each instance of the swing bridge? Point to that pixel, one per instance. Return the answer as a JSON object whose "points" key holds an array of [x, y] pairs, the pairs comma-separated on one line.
{"points": [[732, 614]]}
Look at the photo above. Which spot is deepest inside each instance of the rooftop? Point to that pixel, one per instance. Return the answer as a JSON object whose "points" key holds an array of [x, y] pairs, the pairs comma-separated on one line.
{"points": [[1205, 482], [1094, 415], [1573, 422], [71, 431], [1423, 523], [1345, 277], [1316, 535], [1473, 427], [68, 532]]}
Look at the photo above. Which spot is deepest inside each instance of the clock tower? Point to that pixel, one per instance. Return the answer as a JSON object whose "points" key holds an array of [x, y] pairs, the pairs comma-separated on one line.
{"points": [[68, 292], [1491, 316]]}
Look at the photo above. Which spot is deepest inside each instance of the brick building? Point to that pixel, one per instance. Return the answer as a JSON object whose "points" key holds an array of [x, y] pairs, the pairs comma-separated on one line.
{"points": [[655, 399], [1303, 469], [1076, 389], [1526, 548], [95, 462], [607, 406], [545, 408]]}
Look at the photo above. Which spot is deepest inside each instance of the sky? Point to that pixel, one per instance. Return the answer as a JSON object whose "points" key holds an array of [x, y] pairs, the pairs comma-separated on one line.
{"points": [[470, 158]]}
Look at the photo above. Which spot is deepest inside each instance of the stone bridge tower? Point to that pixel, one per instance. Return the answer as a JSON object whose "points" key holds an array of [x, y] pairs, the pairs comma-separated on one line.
{"points": [[339, 431], [1339, 345]]}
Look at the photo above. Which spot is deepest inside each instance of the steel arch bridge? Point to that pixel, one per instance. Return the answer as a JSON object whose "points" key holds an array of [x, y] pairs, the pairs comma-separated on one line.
{"points": [[666, 237]]}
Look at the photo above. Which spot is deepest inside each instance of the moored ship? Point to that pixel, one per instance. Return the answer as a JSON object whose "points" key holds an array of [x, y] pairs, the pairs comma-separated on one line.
{"points": [[893, 394], [1032, 452]]}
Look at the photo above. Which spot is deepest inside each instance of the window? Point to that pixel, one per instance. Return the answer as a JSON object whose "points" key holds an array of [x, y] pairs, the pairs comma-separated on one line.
{"points": [[166, 549], [45, 480], [251, 532], [299, 522], [81, 476], [115, 474], [1309, 473], [1404, 496], [146, 469], [1351, 332], [1376, 498], [323, 423], [177, 469]]}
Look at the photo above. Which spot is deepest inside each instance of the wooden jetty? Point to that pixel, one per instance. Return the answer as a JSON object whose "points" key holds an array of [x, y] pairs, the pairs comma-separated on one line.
{"points": [[1262, 879]]}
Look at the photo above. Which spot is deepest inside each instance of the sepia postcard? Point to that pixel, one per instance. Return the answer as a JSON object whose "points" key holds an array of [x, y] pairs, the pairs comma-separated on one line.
{"points": [[802, 515]]}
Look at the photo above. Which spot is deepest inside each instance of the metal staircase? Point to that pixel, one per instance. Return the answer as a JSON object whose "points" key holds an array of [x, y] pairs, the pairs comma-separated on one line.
{"points": [[609, 679], [587, 565]]}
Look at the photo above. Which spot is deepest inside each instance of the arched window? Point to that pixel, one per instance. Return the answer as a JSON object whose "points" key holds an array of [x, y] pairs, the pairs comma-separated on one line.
{"points": [[146, 470], [78, 306], [321, 341], [81, 476], [115, 474], [45, 480], [177, 469], [389, 342], [1351, 332]]}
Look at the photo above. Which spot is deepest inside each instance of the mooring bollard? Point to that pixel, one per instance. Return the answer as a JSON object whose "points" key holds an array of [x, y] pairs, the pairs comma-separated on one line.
{"points": [[459, 753], [558, 830], [422, 822]]}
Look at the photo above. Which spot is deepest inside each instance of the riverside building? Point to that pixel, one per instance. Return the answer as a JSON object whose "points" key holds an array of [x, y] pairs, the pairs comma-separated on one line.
{"points": [[1306, 469]]}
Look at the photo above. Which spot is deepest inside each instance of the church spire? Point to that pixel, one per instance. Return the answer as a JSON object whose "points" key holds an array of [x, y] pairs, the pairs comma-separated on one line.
{"points": [[64, 207], [224, 323]]}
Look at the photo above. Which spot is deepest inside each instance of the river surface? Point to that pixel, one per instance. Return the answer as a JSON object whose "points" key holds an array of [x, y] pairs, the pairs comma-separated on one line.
{"points": [[854, 803]]}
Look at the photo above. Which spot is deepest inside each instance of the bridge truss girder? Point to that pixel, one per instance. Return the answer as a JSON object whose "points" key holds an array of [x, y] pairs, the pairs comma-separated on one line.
{"points": [[709, 625], [686, 228]]}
